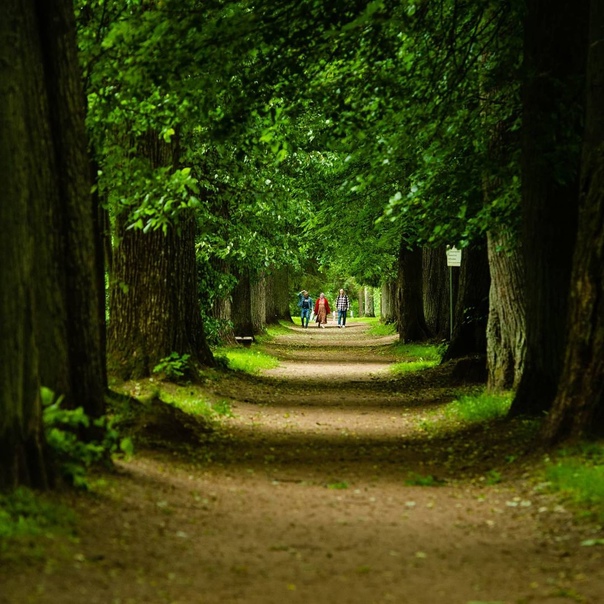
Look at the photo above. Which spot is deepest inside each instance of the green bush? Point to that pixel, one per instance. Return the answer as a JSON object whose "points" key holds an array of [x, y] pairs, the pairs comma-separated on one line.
{"points": [[63, 429], [174, 366]]}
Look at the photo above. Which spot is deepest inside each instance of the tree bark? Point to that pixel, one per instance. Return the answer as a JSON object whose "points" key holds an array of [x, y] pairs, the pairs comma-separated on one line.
{"points": [[387, 305], [154, 300], [241, 308], [436, 292], [369, 304], [411, 324], [506, 345], [277, 301], [578, 409], [361, 299], [258, 293], [472, 306], [50, 333], [552, 100], [154, 307]]}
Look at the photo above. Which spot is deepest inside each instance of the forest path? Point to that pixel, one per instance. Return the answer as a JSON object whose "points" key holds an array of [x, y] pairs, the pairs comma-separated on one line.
{"points": [[304, 498]]}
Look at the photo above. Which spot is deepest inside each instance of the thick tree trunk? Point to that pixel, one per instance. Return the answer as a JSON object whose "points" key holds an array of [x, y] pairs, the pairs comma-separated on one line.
{"points": [[154, 302], [277, 292], [412, 324], [154, 305], [436, 292], [555, 58], [241, 308], [50, 332], [472, 306], [578, 410], [506, 345]]}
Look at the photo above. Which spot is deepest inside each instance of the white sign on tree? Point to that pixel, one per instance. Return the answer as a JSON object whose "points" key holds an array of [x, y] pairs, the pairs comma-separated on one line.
{"points": [[453, 256]]}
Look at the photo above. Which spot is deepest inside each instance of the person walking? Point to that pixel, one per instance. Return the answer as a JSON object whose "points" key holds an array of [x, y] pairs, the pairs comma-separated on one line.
{"points": [[305, 304], [342, 306], [322, 310]]}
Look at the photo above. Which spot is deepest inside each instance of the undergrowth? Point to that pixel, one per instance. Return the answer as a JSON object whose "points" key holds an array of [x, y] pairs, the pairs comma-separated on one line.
{"points": [[578, 473], [414, 357], [480, 407], [23, 515], [248, 360]]}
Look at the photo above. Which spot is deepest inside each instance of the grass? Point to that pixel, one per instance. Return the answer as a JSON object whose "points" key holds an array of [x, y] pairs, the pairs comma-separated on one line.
{"points": [[579, 474], [380, 329], [247, 360], [481, 407], [24, 515], [196, 405], [414, 357]]}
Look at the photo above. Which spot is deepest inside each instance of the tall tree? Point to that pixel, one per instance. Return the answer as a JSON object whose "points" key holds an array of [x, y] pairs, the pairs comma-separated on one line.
{"points": [[50, 331], [411, 324], [436, 291], [578, 410], [555, 47]]}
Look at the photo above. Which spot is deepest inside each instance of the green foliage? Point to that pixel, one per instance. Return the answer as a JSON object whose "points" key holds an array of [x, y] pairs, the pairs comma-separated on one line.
{"points": [[65, 429], [422, 481], [579, 473], [481, 407], [247, 360], [174, 367], [337, 485], [25, 514]]}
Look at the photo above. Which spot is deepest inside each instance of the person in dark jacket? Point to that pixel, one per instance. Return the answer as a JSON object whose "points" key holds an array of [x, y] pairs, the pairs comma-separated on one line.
{"points": [[305, 304], [342, 306]]}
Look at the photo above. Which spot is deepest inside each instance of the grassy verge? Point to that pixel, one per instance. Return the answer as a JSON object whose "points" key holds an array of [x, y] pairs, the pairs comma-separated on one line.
{"points": [[30, 522], [248, 360], [414, 357], [480, 407], [578, 473]]}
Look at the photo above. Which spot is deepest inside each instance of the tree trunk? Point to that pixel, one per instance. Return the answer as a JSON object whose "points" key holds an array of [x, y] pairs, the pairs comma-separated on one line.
{"points": [[361, 299], [154, 305], [412, 324], [154, 302], [241, 308], [386, 310], [472, 306], [258, 291], [578, 409], [506, 345], [50, 333], [555, 58], [436, 292], [277, 302], [369, 303]]}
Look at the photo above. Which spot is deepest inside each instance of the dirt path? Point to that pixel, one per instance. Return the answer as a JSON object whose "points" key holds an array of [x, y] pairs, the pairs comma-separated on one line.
{"points": [[304, 499]]}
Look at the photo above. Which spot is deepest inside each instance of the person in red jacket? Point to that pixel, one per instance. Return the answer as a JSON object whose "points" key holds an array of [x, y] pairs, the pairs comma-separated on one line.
{"points": [[322, 310]]}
